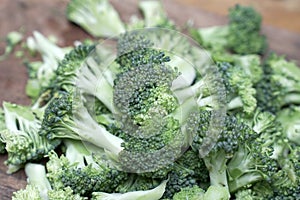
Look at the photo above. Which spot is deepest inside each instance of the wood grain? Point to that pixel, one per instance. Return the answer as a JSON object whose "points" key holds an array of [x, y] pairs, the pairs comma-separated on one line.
{"points": [[48, 17]]}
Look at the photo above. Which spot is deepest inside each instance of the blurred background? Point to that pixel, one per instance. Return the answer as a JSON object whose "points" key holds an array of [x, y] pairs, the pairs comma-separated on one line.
{"points": [[278, 13], [280, 24]]}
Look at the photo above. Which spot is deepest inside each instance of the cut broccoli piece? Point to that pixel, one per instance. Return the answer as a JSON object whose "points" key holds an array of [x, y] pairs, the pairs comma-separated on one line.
{"points": [[280, 84], [244, 31], [23, 143], [232, 136], [241, 35], [80, 168], [41, 73], [97, 17]]}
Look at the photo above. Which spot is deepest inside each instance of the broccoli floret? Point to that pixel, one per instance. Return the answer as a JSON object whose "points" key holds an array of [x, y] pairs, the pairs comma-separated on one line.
{"points": [[231, 137], [23, 142], [39, 187], [241, 35], [65, 75], [240, 91], [153, 194], [154, 14], [97, 17], [280, 84], [79, 168], [41, 73], [244, 31], [66, 117], [135, 49]]}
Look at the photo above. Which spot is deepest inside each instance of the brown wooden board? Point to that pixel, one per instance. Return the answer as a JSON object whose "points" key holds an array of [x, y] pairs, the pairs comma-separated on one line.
{"points": [[49, 18]]}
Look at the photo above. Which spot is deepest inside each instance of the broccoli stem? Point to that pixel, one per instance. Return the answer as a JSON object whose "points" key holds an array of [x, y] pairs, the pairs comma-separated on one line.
{"points": [[216, 165], [36, 174]]}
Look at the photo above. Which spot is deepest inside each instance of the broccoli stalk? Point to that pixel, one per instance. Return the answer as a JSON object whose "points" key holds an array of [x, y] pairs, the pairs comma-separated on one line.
{"points": [[153, 194]]}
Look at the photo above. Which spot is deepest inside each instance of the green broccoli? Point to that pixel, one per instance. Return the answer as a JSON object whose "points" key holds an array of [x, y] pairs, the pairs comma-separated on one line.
{"points": [[279, 86], [154, 14], [232, 136], [97, 17], [241, 35], [39, 187], [79, 168], [23, 142]]}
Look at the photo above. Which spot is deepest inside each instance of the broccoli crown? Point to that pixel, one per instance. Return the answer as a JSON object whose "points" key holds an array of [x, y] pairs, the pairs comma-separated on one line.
{"points": [[64, 194], [179, 177], [145, 91], [244, 28], [58, 116], [152, 152], [134, 50], [66, 71]]}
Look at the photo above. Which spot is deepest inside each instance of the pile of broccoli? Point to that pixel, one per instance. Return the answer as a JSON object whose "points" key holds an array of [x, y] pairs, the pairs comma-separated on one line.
{"points": [[150, 115]]}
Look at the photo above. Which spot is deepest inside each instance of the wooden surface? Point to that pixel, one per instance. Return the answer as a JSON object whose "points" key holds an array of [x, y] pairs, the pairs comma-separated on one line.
{"points": [[48, 17]]}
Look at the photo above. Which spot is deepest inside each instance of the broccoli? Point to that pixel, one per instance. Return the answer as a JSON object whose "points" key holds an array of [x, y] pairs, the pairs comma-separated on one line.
{"points": [[234, 87], [23, 143], [80, 168], [39, 187], [154, 15], [41, 73], [232, 136], [289, 118], [241, 35], [97, 17], [279, 86]]}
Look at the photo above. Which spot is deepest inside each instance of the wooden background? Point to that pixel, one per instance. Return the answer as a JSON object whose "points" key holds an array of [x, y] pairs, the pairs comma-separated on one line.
{"points": [[281, 25]]}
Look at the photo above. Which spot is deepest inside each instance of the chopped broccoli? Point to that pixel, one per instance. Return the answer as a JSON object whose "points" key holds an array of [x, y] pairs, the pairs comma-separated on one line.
{"points": [[80, 168], [23, 143], [97, 17], [279, 86], [241, 35]]}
